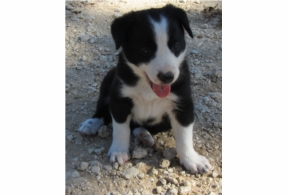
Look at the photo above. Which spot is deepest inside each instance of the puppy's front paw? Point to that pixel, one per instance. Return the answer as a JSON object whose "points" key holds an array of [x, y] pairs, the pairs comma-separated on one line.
{"points": [[120, 156], [91, 126], [195, 163]]}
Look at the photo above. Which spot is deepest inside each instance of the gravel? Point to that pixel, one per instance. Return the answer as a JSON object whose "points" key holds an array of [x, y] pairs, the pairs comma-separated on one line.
{"points": [[139, 153], [164, 163], [169, 153], [84, 37], [82, 166], [96, 169]]}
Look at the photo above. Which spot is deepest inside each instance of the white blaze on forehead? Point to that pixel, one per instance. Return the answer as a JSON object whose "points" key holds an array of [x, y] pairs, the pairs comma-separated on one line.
{"points": [[165, 60]]}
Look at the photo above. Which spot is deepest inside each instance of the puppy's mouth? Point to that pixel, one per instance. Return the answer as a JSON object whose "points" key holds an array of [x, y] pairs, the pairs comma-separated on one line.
{"points": [[161, 91]]}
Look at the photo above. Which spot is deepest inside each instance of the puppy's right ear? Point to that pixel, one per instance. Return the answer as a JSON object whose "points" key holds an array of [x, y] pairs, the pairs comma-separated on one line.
{"points": [[119, 28]]}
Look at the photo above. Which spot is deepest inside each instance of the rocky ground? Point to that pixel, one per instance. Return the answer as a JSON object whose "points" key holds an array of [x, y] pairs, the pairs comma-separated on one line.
{"points": [[90, 53]]}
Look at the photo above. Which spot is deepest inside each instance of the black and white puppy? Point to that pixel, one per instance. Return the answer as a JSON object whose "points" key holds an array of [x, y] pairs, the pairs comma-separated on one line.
{"points": [[149, 89]]}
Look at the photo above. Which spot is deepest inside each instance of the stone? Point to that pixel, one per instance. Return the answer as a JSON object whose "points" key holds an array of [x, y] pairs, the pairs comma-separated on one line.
{"points": [[107, 167], [103, 58], [82, 166], [75, 174], [139, 153], [193, 51], [141, 175], [96, 169], [69, 7], [169, 153], [153, 172], [92, 40], [99, 151], [164, 163], [130, 173], [184, 190], [211, 193], [172, 180], [172, 191], [159, 189], [104, 132], [84, 37], [162, 182]]}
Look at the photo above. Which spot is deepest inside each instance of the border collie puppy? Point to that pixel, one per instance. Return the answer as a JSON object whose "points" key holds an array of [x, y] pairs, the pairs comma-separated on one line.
{"points": [[149, 89]]}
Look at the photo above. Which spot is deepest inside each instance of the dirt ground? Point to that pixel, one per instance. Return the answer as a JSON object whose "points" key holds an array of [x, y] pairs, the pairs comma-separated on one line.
{"points": [[90, 53]]}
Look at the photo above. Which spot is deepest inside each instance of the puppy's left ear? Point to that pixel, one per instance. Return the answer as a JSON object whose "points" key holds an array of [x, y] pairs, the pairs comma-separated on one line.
{"points": [[181, 18]]}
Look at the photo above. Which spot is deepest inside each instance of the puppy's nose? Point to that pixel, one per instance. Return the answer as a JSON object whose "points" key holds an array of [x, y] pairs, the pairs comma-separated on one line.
{"points": [[165, 77]]}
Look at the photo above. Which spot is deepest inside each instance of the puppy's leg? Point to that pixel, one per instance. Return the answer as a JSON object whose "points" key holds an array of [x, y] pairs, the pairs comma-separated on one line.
{"points": [[143, 136], [121, 141], [91, 126], [188, 157]]}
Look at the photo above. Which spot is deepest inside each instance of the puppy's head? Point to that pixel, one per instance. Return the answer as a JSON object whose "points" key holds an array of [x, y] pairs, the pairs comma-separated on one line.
{"points": [[153, 44]]}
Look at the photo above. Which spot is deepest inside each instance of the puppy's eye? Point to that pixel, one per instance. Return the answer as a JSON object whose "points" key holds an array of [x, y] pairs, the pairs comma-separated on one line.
{"points": [[175, 46], [145, 51]]}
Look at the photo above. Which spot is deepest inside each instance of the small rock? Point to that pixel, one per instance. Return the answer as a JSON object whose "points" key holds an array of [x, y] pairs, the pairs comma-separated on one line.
{"points": [[159, 189], [193, 51], [153, 172], [214, 174], [70, 137], [99, 151], [116, 166], [172, 180], [75, 174], [103, 58], [164, 163], [104, 132], [169, 153], [186, 183], [129, 193], [95, 162], [141, 175], [91, 150], [183, 190], [139, 153], [96, 169], [196, 62], [199, 36], [84, 37], [107, 167], [92, 40], [130, 173], [205, 26], [82, 166], [69, 7], [182, 1], [211, 193], [172, 191], [162, 182]]}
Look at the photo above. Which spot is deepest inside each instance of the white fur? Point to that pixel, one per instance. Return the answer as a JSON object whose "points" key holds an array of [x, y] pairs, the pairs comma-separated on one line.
{"points": [[188, 157], [146, 103], [121, 141], [91, 126]]}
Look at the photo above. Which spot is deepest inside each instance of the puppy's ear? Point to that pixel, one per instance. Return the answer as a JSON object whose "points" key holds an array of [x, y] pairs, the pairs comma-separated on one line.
{"points": [[181, 17], [119, 28]]}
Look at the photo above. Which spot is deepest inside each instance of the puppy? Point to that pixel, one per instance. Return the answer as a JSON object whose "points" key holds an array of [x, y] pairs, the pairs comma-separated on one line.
{"points": [[149, 89]]}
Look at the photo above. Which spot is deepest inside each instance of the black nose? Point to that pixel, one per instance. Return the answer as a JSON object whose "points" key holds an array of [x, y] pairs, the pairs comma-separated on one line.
{"points": [[165, 77]]}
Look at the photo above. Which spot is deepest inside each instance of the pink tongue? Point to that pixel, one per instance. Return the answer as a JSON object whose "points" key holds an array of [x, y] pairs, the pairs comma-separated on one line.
{"points": [[161, 90]]}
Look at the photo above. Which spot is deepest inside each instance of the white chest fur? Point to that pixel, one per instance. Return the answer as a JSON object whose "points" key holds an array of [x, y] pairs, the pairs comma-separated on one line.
{"points": [[146, 104]]}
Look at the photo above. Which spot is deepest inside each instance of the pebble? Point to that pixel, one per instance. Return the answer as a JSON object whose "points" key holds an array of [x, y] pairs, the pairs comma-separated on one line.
{"points": [[99, 151], [169, 153], [141, 175], [75, 174], [69, 7], [159, 189], [103, 58], [104, 132], [130, 173], [162, 182], [153, 172], [82, 166], [84, 37], [183, 190], [139, 153], [92, 40], [172, 180], [172, 191], [214, 174], [129, 193], [107, 167], [211, 193], [96, 169], [164, 163], [70, 137], [193, 51]]}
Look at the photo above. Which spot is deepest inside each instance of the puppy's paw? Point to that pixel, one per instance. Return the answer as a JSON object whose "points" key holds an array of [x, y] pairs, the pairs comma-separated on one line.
{"points": [[143, 136], [118, 156], [91, 126], [195, 163]]}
